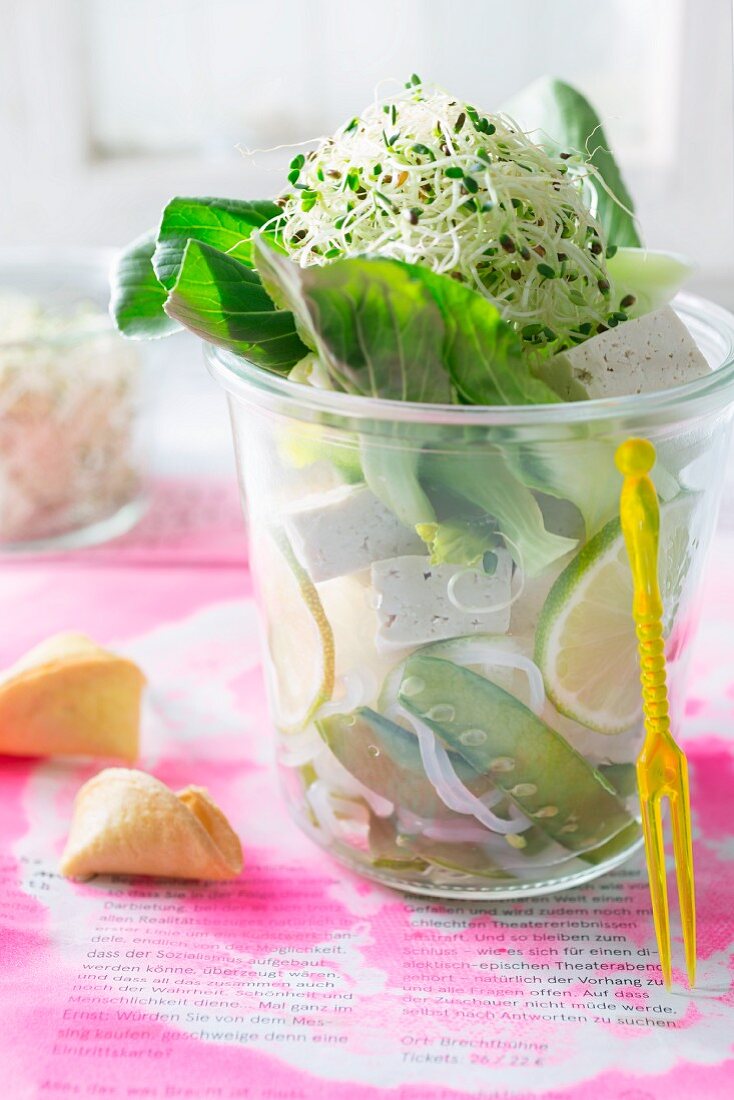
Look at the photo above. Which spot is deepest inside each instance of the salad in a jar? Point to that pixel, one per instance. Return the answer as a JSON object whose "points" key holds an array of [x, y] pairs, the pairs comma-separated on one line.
{"points": [[450, 650]]}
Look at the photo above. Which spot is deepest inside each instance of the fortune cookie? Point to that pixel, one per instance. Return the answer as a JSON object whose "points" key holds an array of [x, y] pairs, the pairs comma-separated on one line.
{"points": [[70, 697], [126, 822]]}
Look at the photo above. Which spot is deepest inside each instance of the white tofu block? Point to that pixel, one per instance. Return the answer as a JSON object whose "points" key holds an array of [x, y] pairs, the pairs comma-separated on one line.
{"points": [[648, 354], [418, 602], [346, 530]]}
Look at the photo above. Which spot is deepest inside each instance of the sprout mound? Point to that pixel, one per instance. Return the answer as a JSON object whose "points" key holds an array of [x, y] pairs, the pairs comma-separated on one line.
{"points": [[426, 179]]}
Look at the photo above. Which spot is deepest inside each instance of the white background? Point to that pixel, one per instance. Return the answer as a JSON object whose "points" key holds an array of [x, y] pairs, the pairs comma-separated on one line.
{"points": [[109, 107]]}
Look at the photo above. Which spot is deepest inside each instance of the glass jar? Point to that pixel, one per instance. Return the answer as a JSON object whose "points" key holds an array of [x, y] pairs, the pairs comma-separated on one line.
{"points": [[71, 455], [446, 604]]}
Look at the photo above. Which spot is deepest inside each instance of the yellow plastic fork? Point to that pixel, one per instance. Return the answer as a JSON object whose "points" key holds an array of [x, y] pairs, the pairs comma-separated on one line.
{"points": [[662, 769]]}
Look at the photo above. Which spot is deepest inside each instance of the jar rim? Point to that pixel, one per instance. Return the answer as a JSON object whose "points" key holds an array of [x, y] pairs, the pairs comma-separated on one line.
{"points": [[245, 380]]}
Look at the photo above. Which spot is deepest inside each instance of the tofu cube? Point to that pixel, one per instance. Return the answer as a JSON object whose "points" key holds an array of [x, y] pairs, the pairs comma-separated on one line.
{"points": [[418, 602], [651, 353], [343, 531]]}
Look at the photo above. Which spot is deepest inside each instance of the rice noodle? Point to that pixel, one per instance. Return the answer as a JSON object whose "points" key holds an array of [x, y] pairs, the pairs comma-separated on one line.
{"points": [[485, 610], [299, 748], [451, 832], [319, 800], [325, 803], [359, 688], [477, 651], [452, 792], [335, 775]]}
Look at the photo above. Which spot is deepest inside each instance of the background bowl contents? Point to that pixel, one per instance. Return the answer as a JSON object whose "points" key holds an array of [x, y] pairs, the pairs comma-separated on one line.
{"points": [[70, 462]]}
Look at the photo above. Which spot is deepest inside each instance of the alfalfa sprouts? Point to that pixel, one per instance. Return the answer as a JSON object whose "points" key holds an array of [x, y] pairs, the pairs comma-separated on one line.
{"points": [[426, 179]]}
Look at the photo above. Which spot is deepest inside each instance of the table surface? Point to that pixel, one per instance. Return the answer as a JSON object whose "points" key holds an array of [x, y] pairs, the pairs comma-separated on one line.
{"points": [[300, 980]]}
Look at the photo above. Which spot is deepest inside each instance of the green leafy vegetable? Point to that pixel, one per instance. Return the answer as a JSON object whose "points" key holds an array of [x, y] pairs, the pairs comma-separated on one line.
{"points": [[392, 474], [581, 470], [137, 298], [462, 542], [149, 267], [225, 224], [484, 479], [557, 373], [310, 372], [482, 351], [306, 444], [568, 123], [224, 301], [390, 329], [373, 323]]}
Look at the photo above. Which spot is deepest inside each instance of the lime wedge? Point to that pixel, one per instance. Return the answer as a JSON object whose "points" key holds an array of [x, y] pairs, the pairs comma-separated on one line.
{"points": [[586, 645], [300, 640], [652, 277]]}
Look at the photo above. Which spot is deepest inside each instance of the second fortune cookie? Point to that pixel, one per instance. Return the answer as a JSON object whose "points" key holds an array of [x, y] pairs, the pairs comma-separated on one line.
{"points": [[126, 822]]}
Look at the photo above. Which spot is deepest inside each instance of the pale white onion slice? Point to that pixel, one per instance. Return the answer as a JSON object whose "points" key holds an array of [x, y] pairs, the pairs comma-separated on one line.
{"points": [[487, 609], [359, 688], [452, 792], [483, 654]]}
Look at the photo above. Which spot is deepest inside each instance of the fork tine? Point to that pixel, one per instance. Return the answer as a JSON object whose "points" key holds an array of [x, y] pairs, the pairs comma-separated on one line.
{"points": [[680, 812], [652, 827], [662, 770]]}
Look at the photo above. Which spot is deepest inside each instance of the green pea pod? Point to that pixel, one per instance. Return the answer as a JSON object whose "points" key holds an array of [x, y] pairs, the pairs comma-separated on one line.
{"points": [[468, 859], [623, 777], [392, 849], [387, 850], [501, 738], [386, 758]]}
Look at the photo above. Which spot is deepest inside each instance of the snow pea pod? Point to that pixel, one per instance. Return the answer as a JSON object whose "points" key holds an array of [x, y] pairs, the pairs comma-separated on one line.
{"points": [[501, 738], [387, 852], [391, 848], [623, 777], [483, 478], [386, 758]]}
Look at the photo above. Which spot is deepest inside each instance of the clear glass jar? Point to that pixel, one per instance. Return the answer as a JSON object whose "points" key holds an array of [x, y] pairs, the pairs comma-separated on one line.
{"points": [[71, 453], [469, 725]]}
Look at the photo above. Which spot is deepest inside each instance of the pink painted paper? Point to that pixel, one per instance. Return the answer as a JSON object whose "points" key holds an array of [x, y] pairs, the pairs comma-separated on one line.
{"points": [[300, 980]]}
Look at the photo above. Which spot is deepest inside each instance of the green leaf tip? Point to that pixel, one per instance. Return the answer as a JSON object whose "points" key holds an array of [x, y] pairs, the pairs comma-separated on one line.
{"points": [[564, 121], [225, 224], [137, 297], [223, 301], [389, 329], [468, 542]]}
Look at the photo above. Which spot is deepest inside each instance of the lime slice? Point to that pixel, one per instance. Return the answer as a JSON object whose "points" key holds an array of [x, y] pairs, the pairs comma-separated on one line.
{"points": [[586, 645], [299, 637], [652, 277]]}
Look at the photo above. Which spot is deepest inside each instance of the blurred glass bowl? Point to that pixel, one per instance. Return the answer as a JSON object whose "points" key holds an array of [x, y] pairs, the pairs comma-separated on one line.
{"points": [[71, 453]]}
